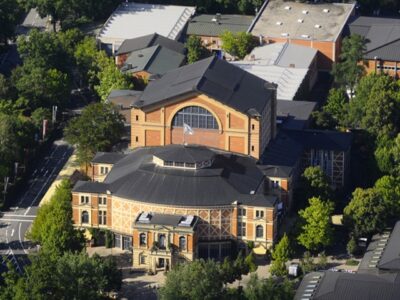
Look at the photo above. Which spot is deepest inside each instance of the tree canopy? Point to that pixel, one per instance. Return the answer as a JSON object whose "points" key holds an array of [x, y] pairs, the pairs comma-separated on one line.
{"points": [[347, 72], [280, 256], [316, 183], [195, 49], [238, 44], [99, 127], [53, 228], [316, 229], [268, 289], [9, 18]]}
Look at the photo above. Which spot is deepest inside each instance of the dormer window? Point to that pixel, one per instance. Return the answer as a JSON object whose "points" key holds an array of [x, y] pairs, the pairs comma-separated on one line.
{"points": [[104, 170]]}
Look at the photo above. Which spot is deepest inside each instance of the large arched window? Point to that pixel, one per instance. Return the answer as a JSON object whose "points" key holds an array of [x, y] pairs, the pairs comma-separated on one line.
{"points": [[259, 231], [85, 217], [195, 117]]}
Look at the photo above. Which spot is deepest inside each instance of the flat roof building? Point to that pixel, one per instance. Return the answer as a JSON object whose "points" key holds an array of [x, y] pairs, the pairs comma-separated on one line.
{"points": [[132, 20], [319, 26]]}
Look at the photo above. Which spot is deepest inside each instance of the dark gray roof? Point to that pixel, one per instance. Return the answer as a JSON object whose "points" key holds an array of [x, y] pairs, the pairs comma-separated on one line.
{"points": [[294, 114], [217, 79], [146, 41], [125, 98], [165, 219], [230, 178], [90, 187], [382, 35], [281, 156], [321, 139], [186, 154], [107, 157], [390, 259], [154, 60], [285, 151], [346, 286], [205, 26]]}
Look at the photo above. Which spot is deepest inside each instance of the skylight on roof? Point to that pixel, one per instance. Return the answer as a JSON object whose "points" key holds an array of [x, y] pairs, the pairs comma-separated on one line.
{"points": [[317, 26], [305, 12], [288, 7], [300, 20], [325, 10], [279, 23]]}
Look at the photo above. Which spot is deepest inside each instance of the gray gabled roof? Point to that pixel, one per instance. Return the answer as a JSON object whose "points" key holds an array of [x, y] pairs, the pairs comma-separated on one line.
{"points": [[90, 187], [123, 98], [390, 259], [382, 35], [154, 60], [150, 40], [215, 78], [107, 157], [203, 25], [346, 286]]}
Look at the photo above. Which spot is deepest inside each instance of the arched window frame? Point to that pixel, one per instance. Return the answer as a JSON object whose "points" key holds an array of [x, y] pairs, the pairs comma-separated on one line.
{"points": [[259, 231], [85, 217], [195, 117], [182, 243]]}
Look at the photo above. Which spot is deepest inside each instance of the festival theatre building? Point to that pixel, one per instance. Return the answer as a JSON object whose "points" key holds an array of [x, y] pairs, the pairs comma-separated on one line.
{"points": [[175, 196]]}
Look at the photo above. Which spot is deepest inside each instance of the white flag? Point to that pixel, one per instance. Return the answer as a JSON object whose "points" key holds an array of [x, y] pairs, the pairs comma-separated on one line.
{"points": [[187, 129]]}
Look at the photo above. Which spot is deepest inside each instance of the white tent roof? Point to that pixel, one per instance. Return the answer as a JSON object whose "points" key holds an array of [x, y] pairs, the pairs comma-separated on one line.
{"points": [[131, 20]]}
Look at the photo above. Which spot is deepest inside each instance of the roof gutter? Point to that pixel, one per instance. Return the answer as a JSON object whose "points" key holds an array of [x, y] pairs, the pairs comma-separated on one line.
{"points": [[257, 16]]}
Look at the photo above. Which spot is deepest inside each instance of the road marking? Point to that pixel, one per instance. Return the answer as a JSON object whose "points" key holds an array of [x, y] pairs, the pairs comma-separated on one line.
{"points": [[21, 216], [45, 173], [34, 172], [16, 220], [43, 186], [20, 240], [12, 232]]}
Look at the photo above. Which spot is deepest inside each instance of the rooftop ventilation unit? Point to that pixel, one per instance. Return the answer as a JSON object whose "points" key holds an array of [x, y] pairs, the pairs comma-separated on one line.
{"points": [[305, 12], [288, 7], [279, 23], [217, 18], [306, 36], [317, 26], [300, 20], [325, 10], [285, 34]]}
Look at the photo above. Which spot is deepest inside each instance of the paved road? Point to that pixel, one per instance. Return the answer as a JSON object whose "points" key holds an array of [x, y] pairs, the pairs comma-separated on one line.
{"points": [[15, 222]]}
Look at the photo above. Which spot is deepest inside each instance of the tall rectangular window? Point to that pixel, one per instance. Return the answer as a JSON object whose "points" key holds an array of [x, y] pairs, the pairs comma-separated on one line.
{"points": [[84, 199], [259, 214], [241, 212], [102, 217], [102, 200], [241, 229]]}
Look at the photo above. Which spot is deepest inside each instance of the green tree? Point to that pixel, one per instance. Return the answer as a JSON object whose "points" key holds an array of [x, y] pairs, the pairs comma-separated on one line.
{"points": [[53, 228], [317, 229], [387, 155], [336, 105], [366, 213], [237, 44], [195, 49], [348, 71], [316, 183], [98, 128], [375, 106], [86, 56], [280, 256], [250, 261], [70, 276], [52, 89], [388, 187], [110, 77], [40, 114], [268, 289], [307, 263], [9, 18], [195, 280], [323, 120]]}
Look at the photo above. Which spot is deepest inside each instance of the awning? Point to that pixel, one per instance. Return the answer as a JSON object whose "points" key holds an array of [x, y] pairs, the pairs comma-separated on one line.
{"points": [[260, 250]]}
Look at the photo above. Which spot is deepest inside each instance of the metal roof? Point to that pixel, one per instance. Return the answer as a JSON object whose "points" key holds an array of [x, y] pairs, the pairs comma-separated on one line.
{"points": [[294, 114], [131, 20], [231, 177], [107, 157], [390, 259], [124, 98], [149, 40], [154, 60], [281, 63], [165, 219], [215, 78], [305, 21], [212, 25], [382, 35], [347, 286]]}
